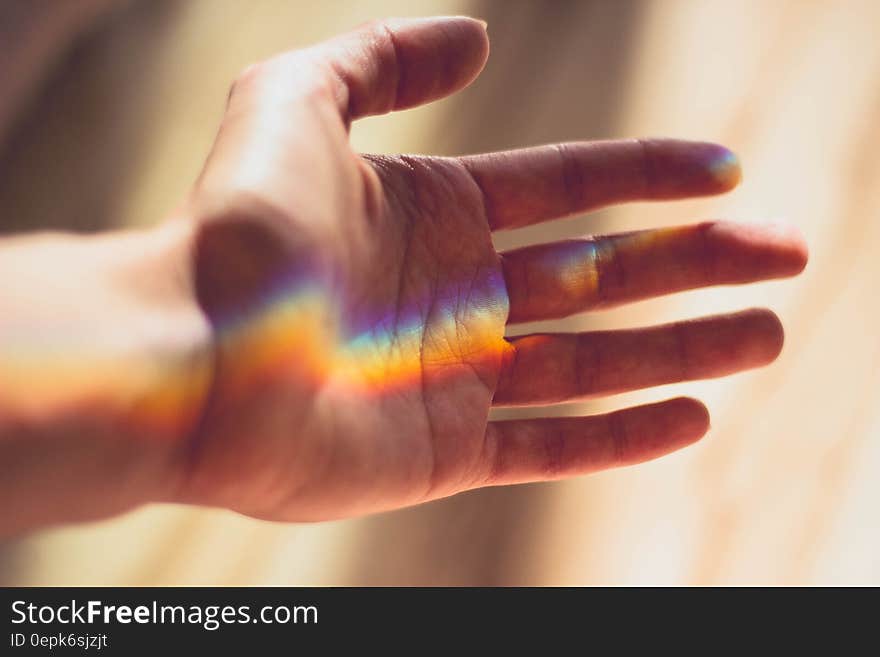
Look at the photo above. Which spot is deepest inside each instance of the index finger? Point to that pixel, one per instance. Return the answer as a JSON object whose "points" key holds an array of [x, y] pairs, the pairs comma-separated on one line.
{"points": [[531, 185]]}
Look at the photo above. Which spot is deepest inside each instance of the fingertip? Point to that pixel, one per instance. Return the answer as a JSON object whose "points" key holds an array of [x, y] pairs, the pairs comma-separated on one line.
{"points": [[692, 420], [768, 335], [719, 166], [797, 251], [753, 251], [680, 168], [658, 429], [724, 167], [784, 245], [474, 38]]}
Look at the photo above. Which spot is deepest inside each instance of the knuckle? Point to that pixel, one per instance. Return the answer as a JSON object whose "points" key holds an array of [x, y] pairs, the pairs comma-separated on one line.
{"points": [[303, 74], [646, 172], [490, 465], [375, 26], [619, 435], [247, 78], [681, 336], [552, 464], [587, 370], [571, 177], [610, 270]]}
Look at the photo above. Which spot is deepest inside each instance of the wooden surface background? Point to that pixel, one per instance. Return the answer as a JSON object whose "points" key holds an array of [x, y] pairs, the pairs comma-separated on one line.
{"points": [[784, 490]]}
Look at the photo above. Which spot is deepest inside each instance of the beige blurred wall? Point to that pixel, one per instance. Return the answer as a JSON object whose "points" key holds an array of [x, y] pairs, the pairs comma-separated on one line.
{"points": [[784, 488]]}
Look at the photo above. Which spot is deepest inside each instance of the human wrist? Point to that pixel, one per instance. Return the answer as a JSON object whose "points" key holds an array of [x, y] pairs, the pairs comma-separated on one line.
{"points": [[102, 374]]}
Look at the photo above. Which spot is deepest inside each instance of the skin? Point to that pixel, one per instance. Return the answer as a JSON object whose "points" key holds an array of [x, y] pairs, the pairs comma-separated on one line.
{"points": [[319, 334]]}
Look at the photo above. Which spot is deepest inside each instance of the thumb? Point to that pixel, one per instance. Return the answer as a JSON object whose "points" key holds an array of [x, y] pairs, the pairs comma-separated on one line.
{"points": [[384, 65], [286, 117], [399, 63]]}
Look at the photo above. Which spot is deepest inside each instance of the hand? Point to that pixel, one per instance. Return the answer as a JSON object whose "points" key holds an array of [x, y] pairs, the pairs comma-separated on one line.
{"points": [[358, 306]]}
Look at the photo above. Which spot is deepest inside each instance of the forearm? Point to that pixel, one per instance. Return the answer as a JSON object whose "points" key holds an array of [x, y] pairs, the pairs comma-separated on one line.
{"points": [[104, 366]]}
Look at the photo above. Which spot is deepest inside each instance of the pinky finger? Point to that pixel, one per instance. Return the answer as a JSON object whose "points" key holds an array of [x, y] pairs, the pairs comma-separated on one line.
{"points": [[520, 451]]}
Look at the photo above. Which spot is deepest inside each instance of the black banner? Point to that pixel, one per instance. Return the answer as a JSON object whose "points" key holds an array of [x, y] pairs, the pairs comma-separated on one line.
{"points": [[67, 621]]}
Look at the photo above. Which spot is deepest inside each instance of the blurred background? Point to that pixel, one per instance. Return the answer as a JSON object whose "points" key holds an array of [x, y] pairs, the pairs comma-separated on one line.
{"points": [[108, 107]]}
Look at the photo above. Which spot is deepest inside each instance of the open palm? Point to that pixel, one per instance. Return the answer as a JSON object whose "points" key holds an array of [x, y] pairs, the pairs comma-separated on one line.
{"points": [[359, 306]]}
